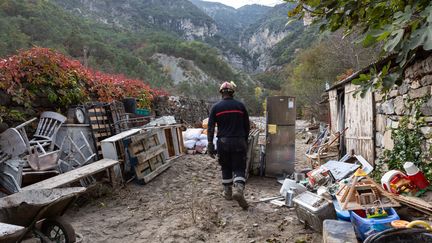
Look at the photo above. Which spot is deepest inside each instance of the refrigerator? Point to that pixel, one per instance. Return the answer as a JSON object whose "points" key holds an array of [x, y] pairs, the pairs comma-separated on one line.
{"points": [[280, 136]]}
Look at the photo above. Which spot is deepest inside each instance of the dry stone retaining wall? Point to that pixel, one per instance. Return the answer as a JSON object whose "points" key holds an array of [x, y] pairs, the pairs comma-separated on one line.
{"points": [[417, 84], [185, 110]]}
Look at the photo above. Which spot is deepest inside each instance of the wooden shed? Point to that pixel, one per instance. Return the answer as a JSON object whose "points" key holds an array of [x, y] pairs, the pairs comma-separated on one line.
{"points": [[356, 113], [370, 119]]}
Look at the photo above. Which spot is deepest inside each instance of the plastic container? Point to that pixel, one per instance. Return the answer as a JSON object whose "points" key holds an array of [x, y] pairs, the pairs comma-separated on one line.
{"points": [[365, 227], [388, 177], [130, 105], [312, 210], [415, 175], [142, 112], [343, 215]]}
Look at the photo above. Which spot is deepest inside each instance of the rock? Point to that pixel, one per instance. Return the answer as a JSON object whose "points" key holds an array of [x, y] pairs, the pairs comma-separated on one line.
{"points": [[427, 132], [399, 105], [380, 123], [378, 96], [378, 139], [421, 92], [387, 140], [387, 107], [404, 88], [255, 225], [426, 80], [393, 93], [415, 84], [426, 108]]}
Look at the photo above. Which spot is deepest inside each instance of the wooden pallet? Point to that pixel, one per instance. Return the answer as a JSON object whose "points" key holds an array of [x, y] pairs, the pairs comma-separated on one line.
{"points": [[146, 151], [172, 136], [101, 123]]}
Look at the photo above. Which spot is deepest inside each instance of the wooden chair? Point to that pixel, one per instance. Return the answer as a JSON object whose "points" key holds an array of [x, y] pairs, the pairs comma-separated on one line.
{"points": [[319, 154], [41, 147], [49, 124]]}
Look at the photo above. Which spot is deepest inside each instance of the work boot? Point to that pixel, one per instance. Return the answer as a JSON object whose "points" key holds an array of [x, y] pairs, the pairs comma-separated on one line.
{"points": [[238, 195], [227, 192]]}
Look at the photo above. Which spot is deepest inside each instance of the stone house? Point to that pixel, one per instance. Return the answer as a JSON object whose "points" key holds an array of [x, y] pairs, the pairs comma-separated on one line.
{"points": [[370, 118]]}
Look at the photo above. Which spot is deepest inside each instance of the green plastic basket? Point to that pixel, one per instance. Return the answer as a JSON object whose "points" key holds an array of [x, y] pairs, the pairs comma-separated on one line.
{"points": [[143, 112]]}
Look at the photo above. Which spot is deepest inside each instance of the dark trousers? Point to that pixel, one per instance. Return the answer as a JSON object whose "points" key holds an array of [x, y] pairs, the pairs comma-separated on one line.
{"points": [[232, 158]]}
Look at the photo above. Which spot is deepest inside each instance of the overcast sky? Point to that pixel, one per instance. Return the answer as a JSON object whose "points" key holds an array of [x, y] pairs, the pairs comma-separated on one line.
{"points": [[239, 3]]}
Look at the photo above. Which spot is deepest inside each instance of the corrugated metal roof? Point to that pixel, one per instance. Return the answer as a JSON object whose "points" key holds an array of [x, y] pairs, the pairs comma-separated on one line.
{"points": [[378, 64]]}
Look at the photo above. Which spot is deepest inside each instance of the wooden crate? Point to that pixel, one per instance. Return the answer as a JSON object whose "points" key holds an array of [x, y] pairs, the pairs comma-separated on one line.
{"points": [[101, 123], [146, 150], [172, 136]]}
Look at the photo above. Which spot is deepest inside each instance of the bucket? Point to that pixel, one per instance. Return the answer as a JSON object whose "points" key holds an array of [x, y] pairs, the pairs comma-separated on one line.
{"points": [[130, 105]]}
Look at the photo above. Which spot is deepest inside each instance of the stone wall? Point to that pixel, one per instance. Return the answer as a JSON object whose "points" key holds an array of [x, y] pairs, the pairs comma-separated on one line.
{"points": [[186, 110], [417, 84]]}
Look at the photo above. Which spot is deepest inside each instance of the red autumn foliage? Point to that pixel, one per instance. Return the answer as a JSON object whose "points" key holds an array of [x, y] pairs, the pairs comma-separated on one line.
{"points": [[64, 80]]}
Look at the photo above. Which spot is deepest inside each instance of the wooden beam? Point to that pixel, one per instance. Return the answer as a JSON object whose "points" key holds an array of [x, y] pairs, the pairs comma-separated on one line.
{"points": [[73, 175]]}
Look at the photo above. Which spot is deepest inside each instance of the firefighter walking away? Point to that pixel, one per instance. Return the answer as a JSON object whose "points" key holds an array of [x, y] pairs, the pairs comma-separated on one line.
{"points": [[233, 127]]}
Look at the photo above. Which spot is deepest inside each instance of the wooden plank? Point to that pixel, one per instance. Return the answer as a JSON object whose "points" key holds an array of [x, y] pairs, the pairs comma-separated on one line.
{"points": [[73, 175], [140, 170], [158, 171], [359, 118], [151, 153], [144, 135], [169, 142], [181, 143], [333, 101], [175, 141], [122, 135], [136, 148]]}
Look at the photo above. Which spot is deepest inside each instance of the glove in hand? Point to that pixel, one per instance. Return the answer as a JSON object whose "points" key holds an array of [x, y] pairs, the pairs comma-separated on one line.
{"points": [[211, 150]]}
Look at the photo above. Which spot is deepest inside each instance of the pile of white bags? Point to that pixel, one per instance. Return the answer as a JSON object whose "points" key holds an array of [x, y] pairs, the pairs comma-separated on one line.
{"points": [[195, 139]]}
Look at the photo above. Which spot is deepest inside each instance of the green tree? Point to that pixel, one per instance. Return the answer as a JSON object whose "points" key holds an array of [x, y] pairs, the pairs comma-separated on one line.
{"points": [[402, 27]]}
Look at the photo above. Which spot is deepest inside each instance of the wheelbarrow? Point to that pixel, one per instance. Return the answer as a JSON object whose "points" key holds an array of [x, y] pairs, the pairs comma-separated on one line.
{"points": [[37, 214]]}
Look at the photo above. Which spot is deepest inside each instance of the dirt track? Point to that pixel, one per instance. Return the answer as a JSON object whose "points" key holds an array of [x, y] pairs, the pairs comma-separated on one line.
{"points": [[184, 204]]}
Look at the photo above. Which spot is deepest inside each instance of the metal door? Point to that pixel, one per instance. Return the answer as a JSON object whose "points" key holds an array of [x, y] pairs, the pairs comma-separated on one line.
{"points": [[280, 147]]}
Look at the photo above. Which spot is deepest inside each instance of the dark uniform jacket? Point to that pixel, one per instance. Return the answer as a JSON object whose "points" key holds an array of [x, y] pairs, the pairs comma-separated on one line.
{"points": [[231, 118]]}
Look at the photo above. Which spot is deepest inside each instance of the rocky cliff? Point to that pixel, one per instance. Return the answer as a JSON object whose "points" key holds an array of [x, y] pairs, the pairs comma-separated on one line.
{"points": [[179, 16]]}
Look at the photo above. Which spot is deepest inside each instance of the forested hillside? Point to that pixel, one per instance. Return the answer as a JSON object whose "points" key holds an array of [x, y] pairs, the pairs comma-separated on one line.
{"points": [[106, 47]]}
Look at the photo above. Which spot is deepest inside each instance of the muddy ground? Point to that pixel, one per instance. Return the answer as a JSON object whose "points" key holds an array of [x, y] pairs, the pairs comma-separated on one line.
{"points": [[184, 204]]}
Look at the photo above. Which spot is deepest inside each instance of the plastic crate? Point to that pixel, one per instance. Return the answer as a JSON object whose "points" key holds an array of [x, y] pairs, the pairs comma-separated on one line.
{"points": [[365, 227], [343, 215], [312, 210], [142, 112]]}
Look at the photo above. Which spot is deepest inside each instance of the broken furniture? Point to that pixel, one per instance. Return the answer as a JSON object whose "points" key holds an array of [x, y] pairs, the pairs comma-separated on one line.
{"points": [[340, 170], [77, 174], [42, 155], [12, 145], [324, 149], [39, 212], [363, 194], [146, 155], [11, 174], [312, 210], [171, 136]]}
